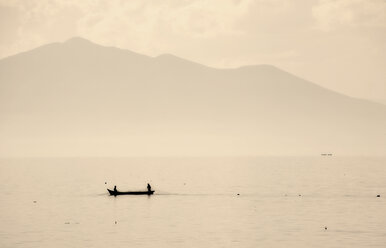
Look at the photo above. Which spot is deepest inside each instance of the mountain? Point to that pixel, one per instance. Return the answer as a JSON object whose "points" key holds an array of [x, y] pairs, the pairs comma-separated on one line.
{"points": [[78, 98]]}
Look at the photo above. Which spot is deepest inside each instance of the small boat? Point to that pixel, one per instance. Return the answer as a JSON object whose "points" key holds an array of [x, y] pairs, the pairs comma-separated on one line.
{"points": [[326, 154], [112, 192]]}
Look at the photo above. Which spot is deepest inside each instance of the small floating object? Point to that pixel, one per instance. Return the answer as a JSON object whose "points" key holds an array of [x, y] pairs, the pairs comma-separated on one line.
{"points": [[115, 193], [105, 182], [300, 195], [238, 194], [325, 228], [115, 222], [35, 201], [378, 195]]}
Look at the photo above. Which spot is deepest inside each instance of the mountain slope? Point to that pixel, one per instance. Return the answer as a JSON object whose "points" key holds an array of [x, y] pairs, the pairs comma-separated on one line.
{"points": [[80, 99]]}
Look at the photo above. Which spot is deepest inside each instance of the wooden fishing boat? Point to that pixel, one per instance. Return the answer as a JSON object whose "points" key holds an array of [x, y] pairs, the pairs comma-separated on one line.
{"points": [[112, 192]]}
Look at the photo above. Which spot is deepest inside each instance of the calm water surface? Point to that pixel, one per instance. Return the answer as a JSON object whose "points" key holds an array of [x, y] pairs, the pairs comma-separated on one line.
{"points": [[283, 202]]}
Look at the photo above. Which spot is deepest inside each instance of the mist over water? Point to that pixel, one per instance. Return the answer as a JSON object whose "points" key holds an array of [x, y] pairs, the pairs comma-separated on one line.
{"points": [[78, 98], [282, 202]]}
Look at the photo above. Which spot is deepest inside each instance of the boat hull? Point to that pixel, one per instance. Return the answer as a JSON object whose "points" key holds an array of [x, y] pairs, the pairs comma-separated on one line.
{"points": [[112, 192]]}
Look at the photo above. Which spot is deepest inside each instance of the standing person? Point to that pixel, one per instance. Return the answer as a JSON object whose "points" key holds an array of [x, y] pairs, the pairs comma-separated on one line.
{"points": [[115, 188], [148, 187]]}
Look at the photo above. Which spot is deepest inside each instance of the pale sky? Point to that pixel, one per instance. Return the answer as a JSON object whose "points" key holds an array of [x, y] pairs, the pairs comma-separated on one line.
{"points": [[339, 44]]}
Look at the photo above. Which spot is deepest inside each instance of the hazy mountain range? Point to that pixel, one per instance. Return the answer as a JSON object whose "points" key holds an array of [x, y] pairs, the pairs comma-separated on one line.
{"points": [[80, 99]]}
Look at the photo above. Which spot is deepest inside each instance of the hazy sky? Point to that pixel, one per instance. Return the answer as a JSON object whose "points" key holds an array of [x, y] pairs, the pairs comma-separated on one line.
{"points": [[340, 44]]}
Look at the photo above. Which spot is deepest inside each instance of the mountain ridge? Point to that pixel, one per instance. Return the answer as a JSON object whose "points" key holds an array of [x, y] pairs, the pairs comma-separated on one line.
{"points": [[80, 98], [82, 41]]}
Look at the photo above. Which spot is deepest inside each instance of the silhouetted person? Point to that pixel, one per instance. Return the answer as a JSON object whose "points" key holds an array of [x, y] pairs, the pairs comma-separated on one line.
{"points": [[148, 187], [115, 188]]}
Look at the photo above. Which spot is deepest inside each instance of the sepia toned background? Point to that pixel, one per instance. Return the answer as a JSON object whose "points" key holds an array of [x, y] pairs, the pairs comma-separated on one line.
{"points": [[257, 123]]}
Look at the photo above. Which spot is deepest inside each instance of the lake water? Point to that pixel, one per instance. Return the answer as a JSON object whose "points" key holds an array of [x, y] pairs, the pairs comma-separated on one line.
{"points": [[283, 202]]}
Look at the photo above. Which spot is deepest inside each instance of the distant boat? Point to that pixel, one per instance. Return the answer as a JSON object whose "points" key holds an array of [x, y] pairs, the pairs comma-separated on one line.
{"points": [[112, 192]]}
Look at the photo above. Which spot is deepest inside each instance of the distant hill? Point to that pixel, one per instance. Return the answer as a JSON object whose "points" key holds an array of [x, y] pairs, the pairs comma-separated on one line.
{"points": [[80, 99]]}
